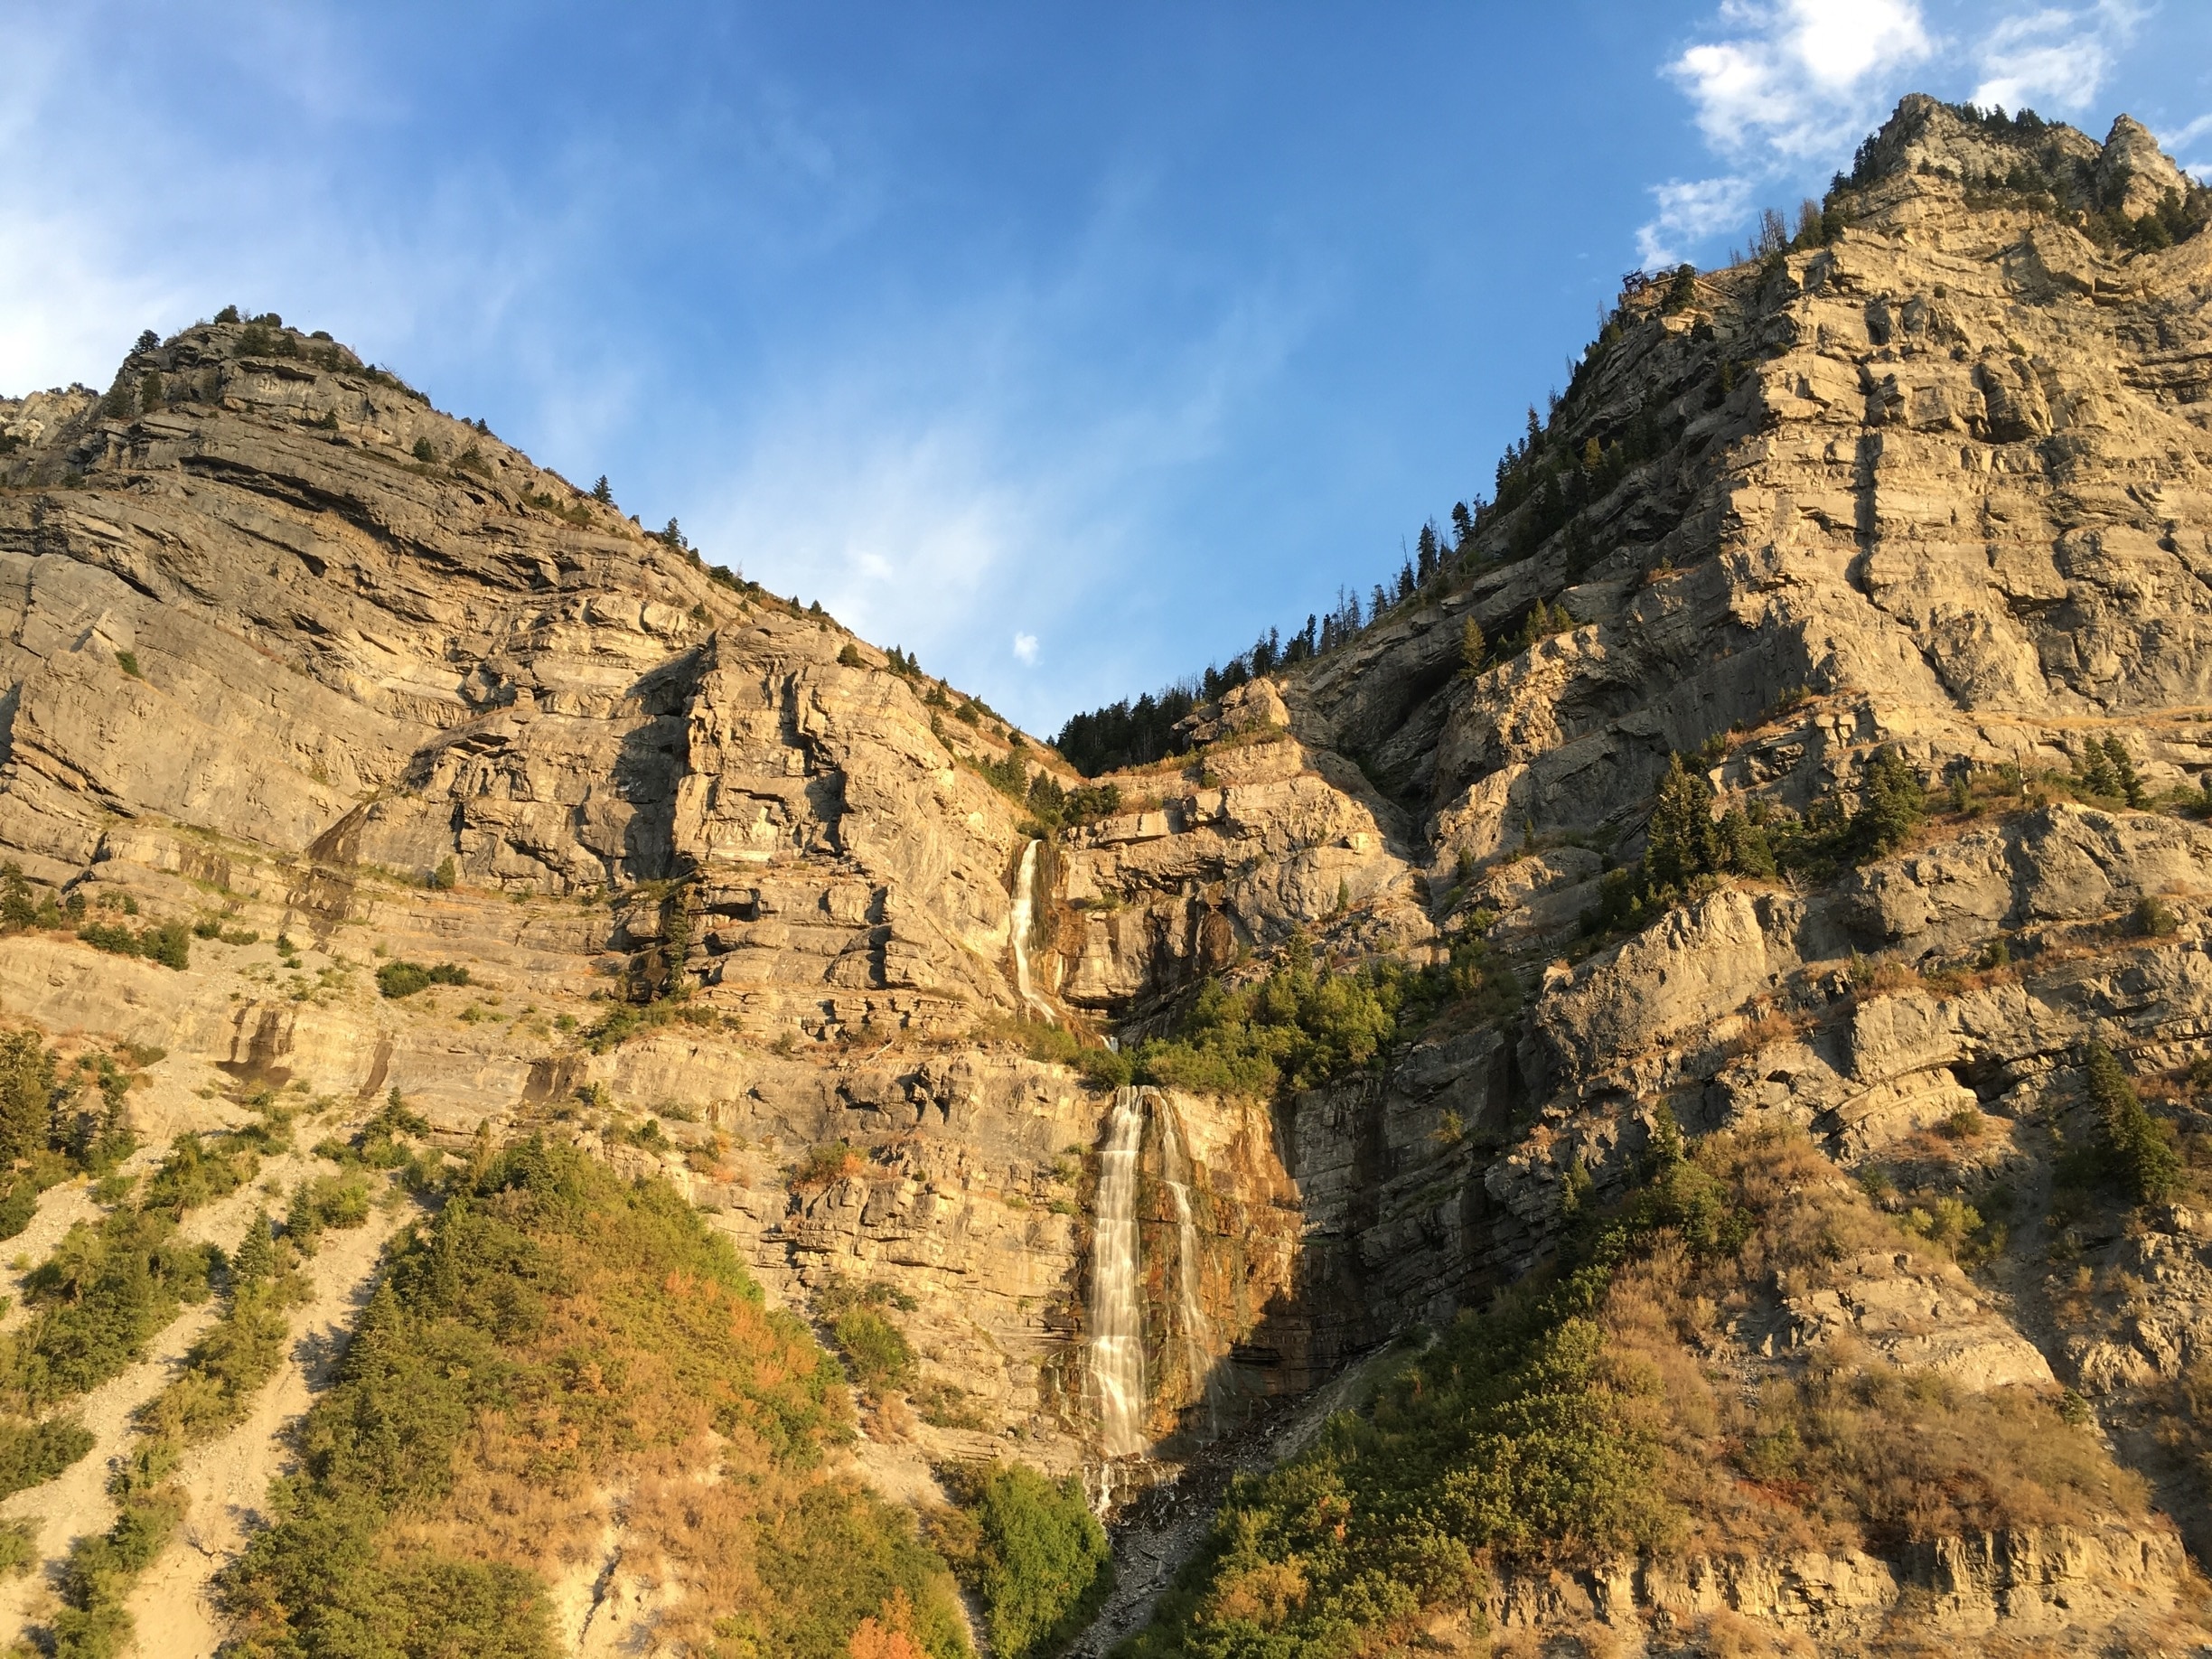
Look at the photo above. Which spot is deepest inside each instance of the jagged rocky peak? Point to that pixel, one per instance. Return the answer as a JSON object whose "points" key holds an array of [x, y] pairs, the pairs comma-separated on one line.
{"points": [[2128, 172]]}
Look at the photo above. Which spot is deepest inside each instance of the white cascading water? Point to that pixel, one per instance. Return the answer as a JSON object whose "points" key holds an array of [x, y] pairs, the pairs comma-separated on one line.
{"points": [[1117, 1315], [1018, 924], [1197, 1333]]}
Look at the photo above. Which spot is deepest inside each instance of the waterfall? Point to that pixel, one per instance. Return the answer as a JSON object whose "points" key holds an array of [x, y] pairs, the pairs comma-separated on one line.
{"points": [[1197, 1333], [1017, 931], [1117, 1355], [1117, 1317]]}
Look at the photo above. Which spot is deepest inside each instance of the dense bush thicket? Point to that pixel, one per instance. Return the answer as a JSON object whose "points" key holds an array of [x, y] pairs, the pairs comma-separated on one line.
{"points": [[397, 979], [1030, 1550], [1304, 1024], [554, 1330]]}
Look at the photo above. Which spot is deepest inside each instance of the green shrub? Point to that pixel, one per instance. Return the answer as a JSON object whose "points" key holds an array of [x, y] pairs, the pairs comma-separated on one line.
{"points": [[170, 944], [323, 1202], [1304, 1025], [403, 978], [98, 1300], [875, 1349], [33, 1453], [1687, 849], [18, 1547], [423, 451], [195, 1173], [825, 1164], [1031, 1550], [27, 1096], [2150, 919]]}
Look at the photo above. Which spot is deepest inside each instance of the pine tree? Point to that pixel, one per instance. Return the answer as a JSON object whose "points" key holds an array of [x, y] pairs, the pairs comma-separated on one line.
{"points": [[2124, 781], [2140, 1155], [1892, 801], [26, 1095], [255, 1260], [1682, 841], [148, 340], [1425, 553], [1471, 647], [603, 492]]}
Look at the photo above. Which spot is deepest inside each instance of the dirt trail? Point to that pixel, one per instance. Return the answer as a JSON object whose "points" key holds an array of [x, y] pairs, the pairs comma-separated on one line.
{"points": [[226, 1480]]}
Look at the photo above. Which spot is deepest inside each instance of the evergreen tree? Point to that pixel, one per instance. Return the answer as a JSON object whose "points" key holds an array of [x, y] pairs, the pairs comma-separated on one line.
{"points": [[2139, 1153], [1425, 554], [1681, 839], [1892, 801], [26, 1095], [2124, 781], [1406, 581], [148, 340], [1471, 647], [602, 492]]}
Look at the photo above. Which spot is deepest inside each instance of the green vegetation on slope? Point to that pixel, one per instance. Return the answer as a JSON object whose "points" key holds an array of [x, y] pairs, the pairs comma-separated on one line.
{"points": [[1687, 849], [1573, 1421], [1303, 1025], [556, 1332]]}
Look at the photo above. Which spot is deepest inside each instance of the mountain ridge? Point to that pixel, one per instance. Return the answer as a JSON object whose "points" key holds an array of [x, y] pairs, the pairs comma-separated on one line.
{"points": [[1760, 821]]}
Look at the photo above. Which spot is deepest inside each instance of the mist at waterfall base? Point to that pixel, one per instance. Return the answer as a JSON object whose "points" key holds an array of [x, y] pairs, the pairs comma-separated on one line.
{"points": [[1116, 1351]]}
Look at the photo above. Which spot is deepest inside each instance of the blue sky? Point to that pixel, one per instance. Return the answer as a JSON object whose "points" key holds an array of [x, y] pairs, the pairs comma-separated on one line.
{"points": [[1069, 347]]}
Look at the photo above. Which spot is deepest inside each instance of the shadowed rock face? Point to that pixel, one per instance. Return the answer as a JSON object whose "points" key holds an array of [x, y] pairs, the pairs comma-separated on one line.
{"points": [[1938, 484]]}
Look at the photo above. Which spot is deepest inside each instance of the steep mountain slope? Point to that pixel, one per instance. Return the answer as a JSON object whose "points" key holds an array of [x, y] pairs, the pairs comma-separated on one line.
{"points": [[1747, 906]]}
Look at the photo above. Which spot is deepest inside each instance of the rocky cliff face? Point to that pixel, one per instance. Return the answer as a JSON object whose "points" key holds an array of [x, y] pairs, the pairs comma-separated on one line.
{"points": [[347, 682]]}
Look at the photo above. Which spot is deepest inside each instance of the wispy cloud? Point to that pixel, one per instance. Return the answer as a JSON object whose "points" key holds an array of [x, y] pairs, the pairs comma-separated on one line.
{"points": [[1026, 650], [2056, 57], [1688, 214]]}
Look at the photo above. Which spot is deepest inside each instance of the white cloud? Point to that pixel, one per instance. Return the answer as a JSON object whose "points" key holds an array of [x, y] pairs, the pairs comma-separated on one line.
{"points": [[2055, 57], [2182, 137], [1788, 83], [1797, 77], [1689, 212], [1026, 650]]}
